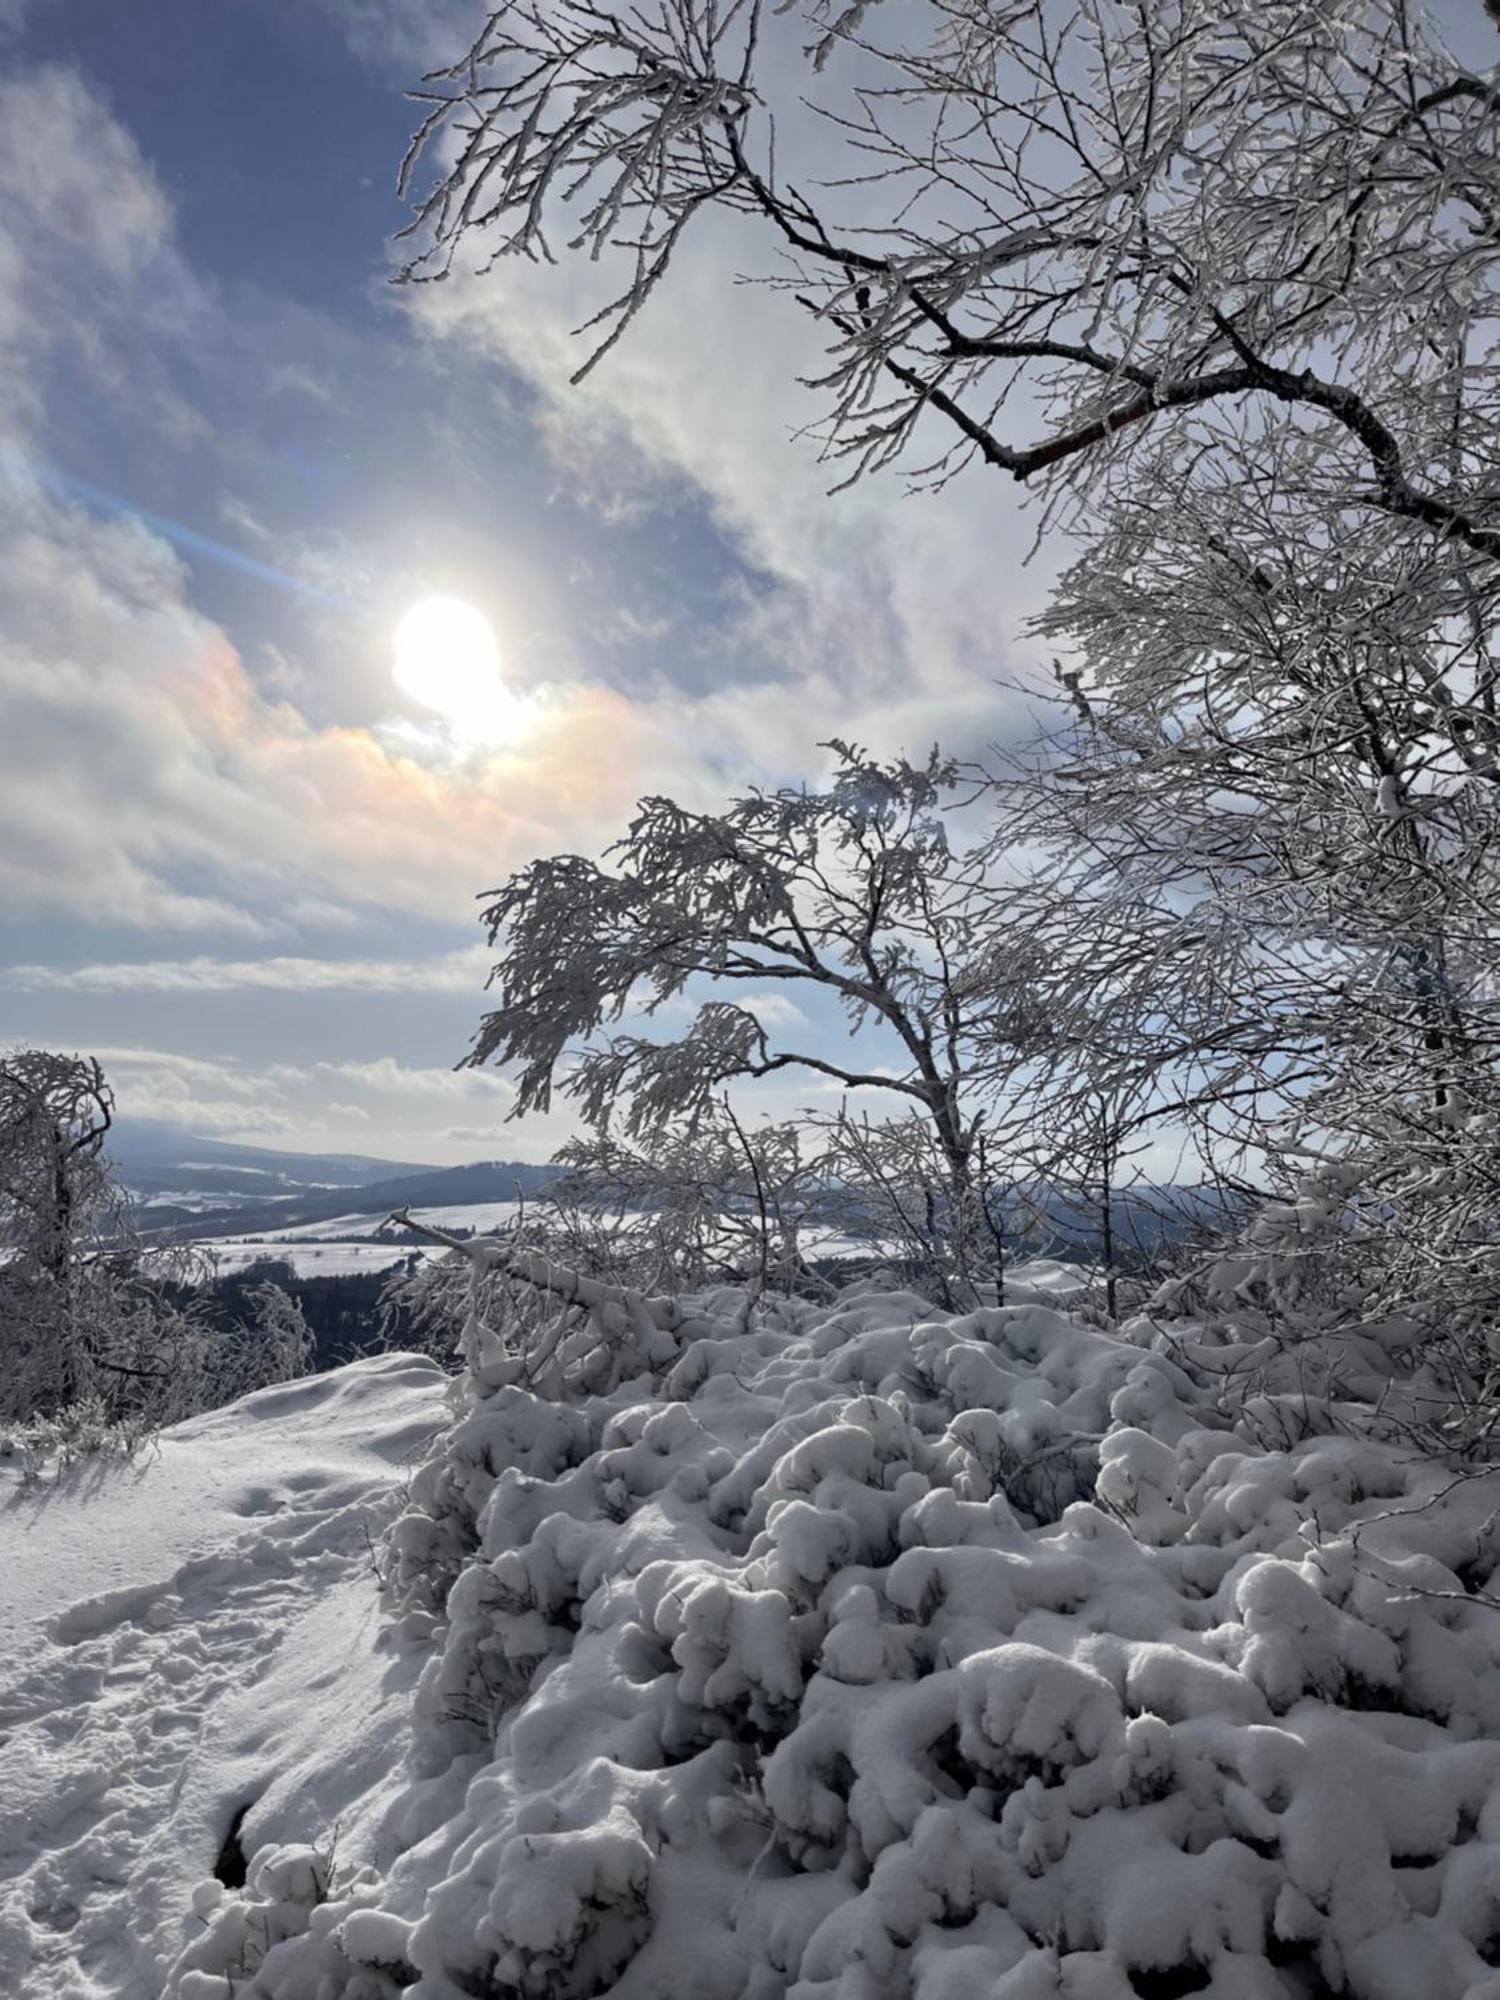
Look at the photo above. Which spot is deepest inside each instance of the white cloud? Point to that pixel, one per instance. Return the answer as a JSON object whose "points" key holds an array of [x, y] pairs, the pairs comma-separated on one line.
{"points": [[387, 1077], [408, 1111], [407, 35], [88, 258], [188, 1070], [214, 1098], [772, 1010], [78, 177], [448, 972], [894, 614]]}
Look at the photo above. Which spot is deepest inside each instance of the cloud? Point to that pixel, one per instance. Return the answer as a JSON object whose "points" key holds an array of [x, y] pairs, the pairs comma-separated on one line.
{"points": [[772, 1010], [146, 780], [882, 614], [387, 1077], [217, 1099], [88, 258], [79, 179], [411, 37], [410, 1111], [447, 972]]}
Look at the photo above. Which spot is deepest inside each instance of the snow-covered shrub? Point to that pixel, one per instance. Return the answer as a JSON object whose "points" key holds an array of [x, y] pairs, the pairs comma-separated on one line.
{"points": [[1366, 1294], [81, 1429], [242, 1952], [777, 1674]]}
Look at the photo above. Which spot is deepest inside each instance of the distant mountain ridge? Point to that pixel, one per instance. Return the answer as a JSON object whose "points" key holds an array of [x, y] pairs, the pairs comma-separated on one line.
{"points": [[198, 1189], [223, 1188], [143, 1149]]}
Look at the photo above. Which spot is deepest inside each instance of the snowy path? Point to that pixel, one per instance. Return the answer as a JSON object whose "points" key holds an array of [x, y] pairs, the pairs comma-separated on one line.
{"points": [[157, 1705]]}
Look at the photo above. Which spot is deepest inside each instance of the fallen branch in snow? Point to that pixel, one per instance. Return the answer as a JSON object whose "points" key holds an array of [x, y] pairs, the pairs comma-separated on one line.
{"points": [[544, 1274]]}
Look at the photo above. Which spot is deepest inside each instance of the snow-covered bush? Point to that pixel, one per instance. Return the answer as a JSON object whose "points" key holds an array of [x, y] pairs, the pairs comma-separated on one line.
{"points": [[869, 1651], [1364, 1295]]}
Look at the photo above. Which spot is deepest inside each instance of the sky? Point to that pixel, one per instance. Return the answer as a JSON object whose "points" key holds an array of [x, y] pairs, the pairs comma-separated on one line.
{"points": [[238, 861]]}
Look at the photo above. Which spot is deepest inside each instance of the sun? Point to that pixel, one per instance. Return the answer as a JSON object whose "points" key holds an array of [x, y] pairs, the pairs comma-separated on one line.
{"points": [[448, 658]]}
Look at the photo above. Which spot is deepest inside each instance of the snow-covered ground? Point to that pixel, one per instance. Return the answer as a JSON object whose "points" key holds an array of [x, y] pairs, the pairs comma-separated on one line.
{"points": [[309, 1259], [766, 1651], [333, 1246], [480, 1215], [198, 1198], [183, 1632]]}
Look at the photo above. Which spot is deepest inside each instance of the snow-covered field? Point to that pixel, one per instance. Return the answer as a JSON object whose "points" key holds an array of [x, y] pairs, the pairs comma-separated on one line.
{"points": [[332, 1247], [197, 1198], [308, 1258], [858, 1651], [480, 1215]]}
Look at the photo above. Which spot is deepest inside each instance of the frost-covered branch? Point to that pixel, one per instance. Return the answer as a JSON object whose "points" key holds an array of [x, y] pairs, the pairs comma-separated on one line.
{"points": [[1059, 230], [542, 1273]]}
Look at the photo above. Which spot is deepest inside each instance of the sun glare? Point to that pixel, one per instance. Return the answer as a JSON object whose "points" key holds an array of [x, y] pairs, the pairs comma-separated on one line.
{"points": [[448, 658]]}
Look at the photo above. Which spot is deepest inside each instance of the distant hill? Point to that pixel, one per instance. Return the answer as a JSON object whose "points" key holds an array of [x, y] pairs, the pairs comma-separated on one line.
{"points": [[213, 1187], [148, 1155], [201, 1187]]}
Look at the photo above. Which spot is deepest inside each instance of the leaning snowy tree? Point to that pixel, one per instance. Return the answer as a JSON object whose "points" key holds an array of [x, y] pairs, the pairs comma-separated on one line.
{"points": [[1218, 281], [852, 893]]}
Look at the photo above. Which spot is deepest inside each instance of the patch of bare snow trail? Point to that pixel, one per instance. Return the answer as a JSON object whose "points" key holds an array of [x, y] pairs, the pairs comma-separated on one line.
{"points": [[192, 1633]]}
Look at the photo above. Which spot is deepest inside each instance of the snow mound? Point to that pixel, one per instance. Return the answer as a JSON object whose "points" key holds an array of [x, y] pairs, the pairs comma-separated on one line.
{"points": [[869, 1652], [876, 1652]]}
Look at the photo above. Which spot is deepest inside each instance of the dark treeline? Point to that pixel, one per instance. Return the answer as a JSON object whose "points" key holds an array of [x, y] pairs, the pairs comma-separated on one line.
{"points": [[343, 1314]]}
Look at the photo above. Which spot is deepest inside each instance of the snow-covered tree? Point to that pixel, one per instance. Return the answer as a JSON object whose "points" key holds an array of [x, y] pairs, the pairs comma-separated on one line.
{"points": [[853, 893], [55, 1113], [104, 1339], [1053, 231], [683, 1205], [1220, 282]]}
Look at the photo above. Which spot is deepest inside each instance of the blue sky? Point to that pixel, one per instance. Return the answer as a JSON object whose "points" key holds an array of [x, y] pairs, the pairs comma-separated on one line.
{"points": [[235, 859]]}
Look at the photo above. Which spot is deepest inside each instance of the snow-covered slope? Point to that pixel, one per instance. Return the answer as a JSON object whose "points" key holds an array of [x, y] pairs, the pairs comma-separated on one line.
{"points": [[849, 1652], [184, 1633]]}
